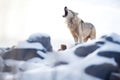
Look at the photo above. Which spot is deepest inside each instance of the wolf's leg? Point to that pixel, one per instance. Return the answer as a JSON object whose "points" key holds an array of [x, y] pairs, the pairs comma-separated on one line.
{"points": [[85, 39], [75, 37], [80, 39], [93, 33]]}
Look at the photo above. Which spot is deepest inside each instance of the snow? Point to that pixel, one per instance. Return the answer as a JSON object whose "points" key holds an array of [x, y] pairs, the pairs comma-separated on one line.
{"points": [[25, 44], [37, 69], [115, 36], [35, 36]]}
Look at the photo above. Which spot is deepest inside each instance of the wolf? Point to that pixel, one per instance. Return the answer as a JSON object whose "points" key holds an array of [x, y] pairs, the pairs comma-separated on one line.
{"points": [[80, 30]]}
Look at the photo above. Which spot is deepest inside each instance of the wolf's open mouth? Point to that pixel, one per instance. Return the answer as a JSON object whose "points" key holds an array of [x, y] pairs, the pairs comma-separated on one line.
{"points": [[66, 11]]}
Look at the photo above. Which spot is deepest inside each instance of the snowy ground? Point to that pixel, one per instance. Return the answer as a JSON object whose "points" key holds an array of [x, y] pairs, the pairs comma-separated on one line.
{"points": [[69, 64]]}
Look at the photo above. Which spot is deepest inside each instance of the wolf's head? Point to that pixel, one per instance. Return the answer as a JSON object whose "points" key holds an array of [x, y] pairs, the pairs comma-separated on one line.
{"points": [[69, 13]]}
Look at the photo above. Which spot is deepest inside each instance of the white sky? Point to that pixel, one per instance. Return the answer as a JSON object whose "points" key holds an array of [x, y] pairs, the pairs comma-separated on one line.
{"points": [[21, 18]]}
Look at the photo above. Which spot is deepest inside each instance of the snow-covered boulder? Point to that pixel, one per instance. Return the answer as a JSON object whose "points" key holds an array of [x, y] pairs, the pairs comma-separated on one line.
{"points": [[42, 38], [35, 46], [95, 60], [21, 54]]}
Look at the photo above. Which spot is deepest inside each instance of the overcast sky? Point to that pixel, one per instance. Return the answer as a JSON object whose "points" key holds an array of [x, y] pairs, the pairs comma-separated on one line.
{"points": [[20, 18]]}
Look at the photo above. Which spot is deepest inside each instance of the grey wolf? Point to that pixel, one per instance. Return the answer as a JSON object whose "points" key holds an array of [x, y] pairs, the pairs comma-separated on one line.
{"points": [[80, 30]]}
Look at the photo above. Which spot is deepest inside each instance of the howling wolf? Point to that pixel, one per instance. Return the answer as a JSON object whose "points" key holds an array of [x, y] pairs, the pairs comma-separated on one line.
{"points": [[80, 30]]}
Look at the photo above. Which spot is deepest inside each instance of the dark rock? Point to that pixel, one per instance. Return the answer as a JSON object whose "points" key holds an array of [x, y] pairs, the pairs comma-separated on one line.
{"points": [[60, 63], [115, 76], [111, 54], [21, 54], [102, 71], [83, 51], [45, 40]]}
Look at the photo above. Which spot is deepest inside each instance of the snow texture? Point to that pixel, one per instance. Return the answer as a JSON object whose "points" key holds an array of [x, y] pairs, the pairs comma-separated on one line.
{"points": [[100, 62]]}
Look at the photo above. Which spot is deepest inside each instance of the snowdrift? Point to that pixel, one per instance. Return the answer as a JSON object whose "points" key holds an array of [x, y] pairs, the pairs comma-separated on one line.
{"points": [[34, 59]]}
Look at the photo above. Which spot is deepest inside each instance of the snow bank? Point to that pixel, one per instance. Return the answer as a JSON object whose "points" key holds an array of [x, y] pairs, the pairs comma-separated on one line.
{"points": [[95, 60]]}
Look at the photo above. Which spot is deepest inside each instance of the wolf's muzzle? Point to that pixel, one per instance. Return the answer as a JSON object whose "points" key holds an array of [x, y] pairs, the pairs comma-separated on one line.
{"points": [[66, 11]]}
